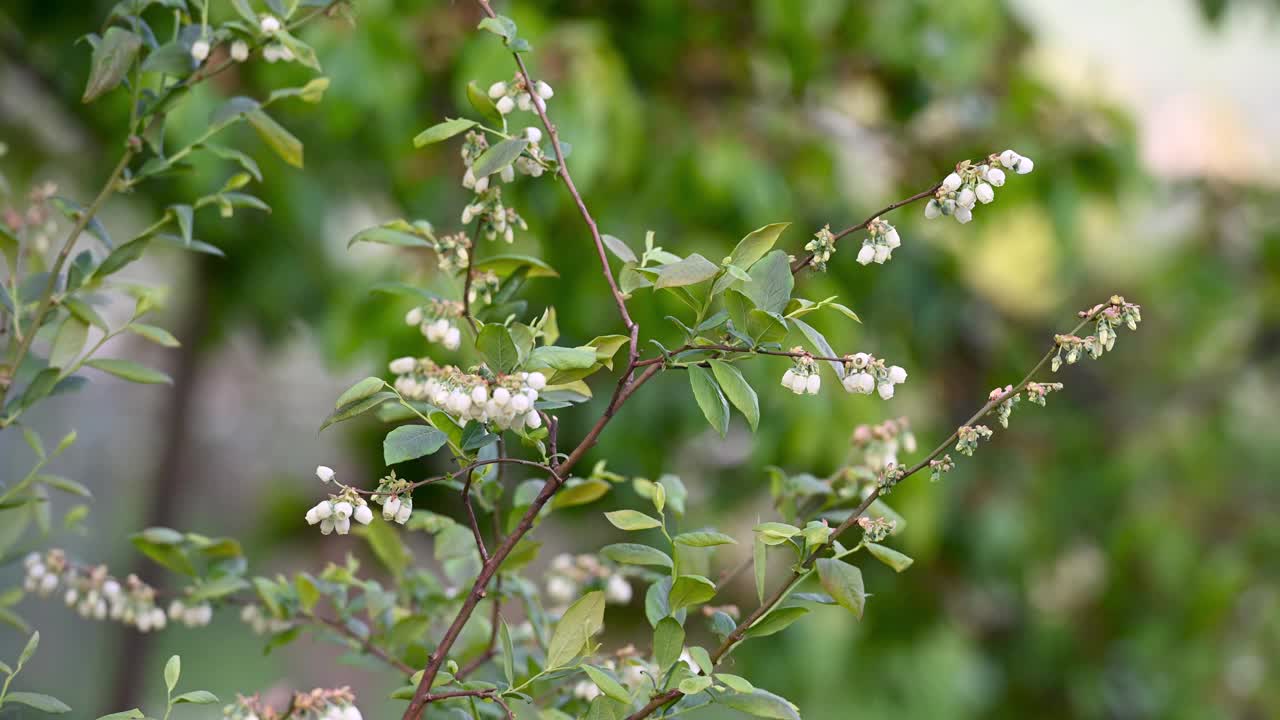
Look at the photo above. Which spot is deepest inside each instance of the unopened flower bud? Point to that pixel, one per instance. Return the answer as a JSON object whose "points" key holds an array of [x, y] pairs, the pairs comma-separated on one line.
{"points": [[200, 50], [951, 183], [239, 51], [403, 365], [324, 473], [505, 105], [363, 515], [269, 24], [497, 90], [866, 254]]}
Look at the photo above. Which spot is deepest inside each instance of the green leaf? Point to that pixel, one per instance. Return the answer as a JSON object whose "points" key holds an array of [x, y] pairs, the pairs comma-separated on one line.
{"points": [[632, 520], [409, 442], [359, 407], [172, 671], [196, 697], [359, 391], [221, 587], [890, 557], [704, 538], [186, 220], [760, 559], [248, 164], [43, 703], [555, 357], [736, 683], [771, 282], [776, 621], [387, 546], [280, 140], [157, 335], [505, 265], [399, 233], [691, 590], [498, 156], [122, 256], [695, 684], [480, 100], [131, 371], [776, 533], [738, 390], [668, 643], [582, 620], [508, 652], [502, 26], [581, 493], [69, 341], [66, 485], [85, 312], [111, 60], [819, 342], [754, 246], [636, 554], [607, 684], [760, 703], [710, 400], [620, 249], [29, 650], [498, 348], [843, 582], [442, 131], [689, 271]]}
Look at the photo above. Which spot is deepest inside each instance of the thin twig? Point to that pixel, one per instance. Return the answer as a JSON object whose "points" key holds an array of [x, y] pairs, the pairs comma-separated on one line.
{"points": [[364, 643], [802, 261]]}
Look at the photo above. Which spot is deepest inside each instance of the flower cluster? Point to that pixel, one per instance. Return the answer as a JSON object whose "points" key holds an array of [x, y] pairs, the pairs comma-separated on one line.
{"points": [[261, 622], [506, 401], [972, 183], [494, 219], [318, 704], [967, 438], [484, 285], [191, 615], [803, 378], [239, 51], [940, 467], [876, 529], [865, 372], [339, 510], [453, 252], [95, 594], [892, 474], [880, 443], [35, 218], [1107, 317], [880, 243], [436, 321], [570, 575], [395, 495], [1036, 392], [821, 248], [508, 97]]}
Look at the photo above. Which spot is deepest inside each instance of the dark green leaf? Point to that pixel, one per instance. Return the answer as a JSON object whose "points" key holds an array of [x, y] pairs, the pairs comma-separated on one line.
{"points": [[710, 400], [498, 156], [738, 390], [131, 371], [668, 643], [356, 408], [43, 703], [776, 621], [689, 271], [409, 442], [843, 582], [111, 60], [498, 348], [691, 590]]}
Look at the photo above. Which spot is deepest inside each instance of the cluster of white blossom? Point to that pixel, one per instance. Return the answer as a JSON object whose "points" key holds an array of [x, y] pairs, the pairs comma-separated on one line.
{"points": [[881, 241], [94, 593], [484, 285], [802, 378], [881, 443], [239, 51], [569, 576], [1107, 318], [821, 248], [396, 499], [191, 615], [339, 510], [453, 252], [435, 321], [973, 183], [865, 372], [508, 97], [261, 622], [494, 218], [505, 401], [317, 704]]}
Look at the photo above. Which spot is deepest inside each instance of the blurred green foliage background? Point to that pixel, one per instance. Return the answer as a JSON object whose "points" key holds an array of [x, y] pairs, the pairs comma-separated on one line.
{"points": [[1112, 556]]}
